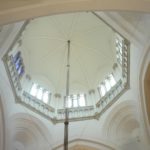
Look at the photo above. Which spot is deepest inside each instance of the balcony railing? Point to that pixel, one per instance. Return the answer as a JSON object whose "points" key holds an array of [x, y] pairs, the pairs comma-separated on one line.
{"points": [[37, 105], [77, 113], [110, 97]]}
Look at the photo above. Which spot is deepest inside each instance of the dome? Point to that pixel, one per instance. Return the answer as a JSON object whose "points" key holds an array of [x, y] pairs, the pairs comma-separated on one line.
{"points": [[92, 51], [99, 66]]}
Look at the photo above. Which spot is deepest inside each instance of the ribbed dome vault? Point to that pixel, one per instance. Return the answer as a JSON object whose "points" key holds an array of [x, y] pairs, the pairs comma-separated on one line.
{"points": [[99, 65], [44, 51]]}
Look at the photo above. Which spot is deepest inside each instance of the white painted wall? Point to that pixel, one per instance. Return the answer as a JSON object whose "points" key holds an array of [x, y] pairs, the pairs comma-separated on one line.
{"points": [[27, 130]]}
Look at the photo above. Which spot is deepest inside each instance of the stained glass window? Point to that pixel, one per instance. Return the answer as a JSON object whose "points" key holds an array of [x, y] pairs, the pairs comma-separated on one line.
{"points": [[18, 63]]}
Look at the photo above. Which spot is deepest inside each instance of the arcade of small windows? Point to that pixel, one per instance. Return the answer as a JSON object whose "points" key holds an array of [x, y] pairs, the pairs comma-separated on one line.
{"points": [[18, 61], [119, 49], [40, 93], [75, 100], [106, 85], [78, 100]]}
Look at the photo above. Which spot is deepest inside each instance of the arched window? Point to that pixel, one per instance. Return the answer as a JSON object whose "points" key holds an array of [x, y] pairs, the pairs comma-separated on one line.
{"points": [[17, 59], [69, 102], [40, 93], [102, 90], [81, 100], [119, 49], [112, 80], [46, 97], [107, 84], [75, 100], [34, 90], [17, 56]]}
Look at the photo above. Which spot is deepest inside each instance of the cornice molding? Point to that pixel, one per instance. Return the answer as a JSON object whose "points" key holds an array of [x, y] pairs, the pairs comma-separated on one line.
{"points": [[12, 34], [21, 10]]}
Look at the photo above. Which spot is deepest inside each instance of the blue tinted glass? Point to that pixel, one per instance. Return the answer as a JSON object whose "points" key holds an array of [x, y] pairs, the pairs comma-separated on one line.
{"points": [[21, 70], [18, 63], [16, 57]]}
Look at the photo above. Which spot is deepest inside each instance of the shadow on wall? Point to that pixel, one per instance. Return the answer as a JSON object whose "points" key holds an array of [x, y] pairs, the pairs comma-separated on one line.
{"points": [[1, 126], [147, 91]]}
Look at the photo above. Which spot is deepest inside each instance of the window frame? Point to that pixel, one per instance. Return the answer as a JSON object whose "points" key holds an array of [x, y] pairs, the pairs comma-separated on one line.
{"points": [[119, 45], [102, 88], [72, 101], [38, 87], [18, 62]]}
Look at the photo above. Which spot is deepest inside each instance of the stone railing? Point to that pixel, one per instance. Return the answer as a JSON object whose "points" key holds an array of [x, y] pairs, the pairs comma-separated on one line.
{"points": [[77, 113], [37, 105], [56, 115], [109, 97]]}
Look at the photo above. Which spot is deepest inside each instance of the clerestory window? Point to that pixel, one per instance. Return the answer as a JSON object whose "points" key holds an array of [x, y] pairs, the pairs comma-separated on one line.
{"points": [[17, 59], [34, 89], [112, 80], [75, 100], [106, 85], [40, 93], [119, 49]]}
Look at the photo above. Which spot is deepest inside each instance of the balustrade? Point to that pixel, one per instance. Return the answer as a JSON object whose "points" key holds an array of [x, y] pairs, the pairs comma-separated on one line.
{"points": [[38, 105], [76, 113]]}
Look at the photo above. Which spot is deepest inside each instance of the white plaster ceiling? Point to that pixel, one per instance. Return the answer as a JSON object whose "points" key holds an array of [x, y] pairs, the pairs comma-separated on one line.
{"points": [[140, 21], [4, 33], [93, 129], [11, 11], [44, 50]]}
